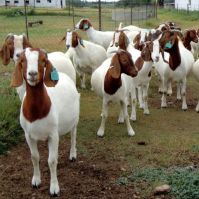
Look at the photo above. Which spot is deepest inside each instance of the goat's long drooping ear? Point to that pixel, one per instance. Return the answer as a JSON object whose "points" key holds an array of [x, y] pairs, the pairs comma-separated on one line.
{"points": [[47, 78], [26, 42], [115, 68], [123, 41], [17, 77], [5, 54]]}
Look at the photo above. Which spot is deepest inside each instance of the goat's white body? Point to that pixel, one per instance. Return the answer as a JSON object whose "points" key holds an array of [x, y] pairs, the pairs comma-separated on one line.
{"points": [[179, 75], [195, 71], [63, 64], [64, 111], [87, 59], [62, 118], [195, 49], [121, 95], [140, 82], [103, 38]]}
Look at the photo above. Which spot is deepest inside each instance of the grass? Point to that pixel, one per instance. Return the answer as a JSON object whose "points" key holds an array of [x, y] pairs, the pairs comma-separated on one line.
{"points": [[171, 135], [184, 182]]}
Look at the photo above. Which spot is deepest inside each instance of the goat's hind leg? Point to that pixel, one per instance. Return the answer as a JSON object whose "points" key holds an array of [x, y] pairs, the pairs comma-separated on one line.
{"points": [[36, 179], [126, 117]]}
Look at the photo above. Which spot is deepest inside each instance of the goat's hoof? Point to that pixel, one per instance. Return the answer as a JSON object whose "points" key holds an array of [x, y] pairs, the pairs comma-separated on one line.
{"points": [[34, 186], [100, 136], [73, 159], [55, 195]]}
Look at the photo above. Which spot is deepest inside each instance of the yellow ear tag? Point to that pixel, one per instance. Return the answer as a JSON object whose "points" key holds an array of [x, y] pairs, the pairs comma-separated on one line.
{"points": [[54, 74]]}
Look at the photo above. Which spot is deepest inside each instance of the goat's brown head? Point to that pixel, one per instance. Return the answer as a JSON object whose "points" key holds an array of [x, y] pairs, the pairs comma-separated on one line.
{"points": [[83, 24], [12, 47], [120, 39], [34, 67], [191, 35], [73, 39], [168, 39], [122, 63]]}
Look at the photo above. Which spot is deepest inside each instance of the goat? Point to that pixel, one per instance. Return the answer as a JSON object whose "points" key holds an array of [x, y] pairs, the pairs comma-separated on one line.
{"points": [[195, 71], [102, 38], [14, 45], [49, 108], [87, 56], [143, 62], [110, 81], [174, 65]]}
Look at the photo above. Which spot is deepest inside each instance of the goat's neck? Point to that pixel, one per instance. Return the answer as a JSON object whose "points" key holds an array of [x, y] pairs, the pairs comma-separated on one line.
{"points": [[187, 43], [175, 56], [37, 103], [111, 85], [91, 33]]}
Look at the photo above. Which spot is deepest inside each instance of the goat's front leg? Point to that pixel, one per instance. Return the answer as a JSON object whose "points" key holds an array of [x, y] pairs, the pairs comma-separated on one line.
{"points": [[140, 97], [164, 91], [197, 107], [104, 116], [126, 117], [145, 97], [73, 150], [169, 88], [83, 80], [179, 90], [183, 92], [133, 104], [36, 179], [53, 143]]}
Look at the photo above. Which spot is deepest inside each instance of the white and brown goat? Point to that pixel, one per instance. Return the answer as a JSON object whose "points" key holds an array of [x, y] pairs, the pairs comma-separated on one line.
{"points": [[112, 82], [49, 108]]}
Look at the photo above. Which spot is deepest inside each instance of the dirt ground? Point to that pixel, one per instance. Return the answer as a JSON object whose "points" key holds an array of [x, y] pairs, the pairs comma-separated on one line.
{"points": [[87, 178], [81, 179]]}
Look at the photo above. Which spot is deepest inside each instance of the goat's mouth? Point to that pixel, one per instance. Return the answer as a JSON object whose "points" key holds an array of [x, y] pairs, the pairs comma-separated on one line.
{"points": [[32, 81]]}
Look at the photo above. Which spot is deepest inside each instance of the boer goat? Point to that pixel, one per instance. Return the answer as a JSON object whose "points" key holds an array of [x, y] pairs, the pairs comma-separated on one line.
{"points": [[49, 108], [87, 56], [14, 45], [112, 82], [174, 65]]}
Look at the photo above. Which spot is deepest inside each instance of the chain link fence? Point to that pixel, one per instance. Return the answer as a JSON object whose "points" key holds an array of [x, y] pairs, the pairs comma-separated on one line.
{"points": [[46, 27]]}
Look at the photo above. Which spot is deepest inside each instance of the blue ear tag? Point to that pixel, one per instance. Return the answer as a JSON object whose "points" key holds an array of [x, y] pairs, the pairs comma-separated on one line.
{"points": [[85, 26], [81, 42], [54, 74], [168, 45]]}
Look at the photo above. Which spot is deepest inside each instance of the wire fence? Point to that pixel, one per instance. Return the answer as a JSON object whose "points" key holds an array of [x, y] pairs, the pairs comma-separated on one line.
{"points": [[45, 27]]}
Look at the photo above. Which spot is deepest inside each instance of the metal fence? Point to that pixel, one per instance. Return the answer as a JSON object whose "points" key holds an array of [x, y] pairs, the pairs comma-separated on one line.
{"points": [[45, 27]]}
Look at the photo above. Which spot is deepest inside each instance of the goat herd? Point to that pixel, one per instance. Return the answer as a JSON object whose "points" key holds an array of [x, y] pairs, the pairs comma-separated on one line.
{"points": [[120, 65]]}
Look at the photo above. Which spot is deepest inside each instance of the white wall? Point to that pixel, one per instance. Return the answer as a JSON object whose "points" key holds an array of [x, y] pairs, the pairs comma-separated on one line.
{"points": [[182, 4], [43, 3]]}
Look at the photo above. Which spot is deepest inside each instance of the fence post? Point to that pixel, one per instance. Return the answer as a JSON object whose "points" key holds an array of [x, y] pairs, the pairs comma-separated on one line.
{"points": [[131, 12], [26, 20], [100, 16]]}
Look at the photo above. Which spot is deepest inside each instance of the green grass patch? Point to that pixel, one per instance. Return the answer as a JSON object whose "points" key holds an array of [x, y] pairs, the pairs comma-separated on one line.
{"points": [[184, 182]]}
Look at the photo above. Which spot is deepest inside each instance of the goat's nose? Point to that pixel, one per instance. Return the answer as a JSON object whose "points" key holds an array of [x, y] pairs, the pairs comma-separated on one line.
{"points": [[67, 46], [32, 73], [116, 44], [17, 55], [157, 58]]}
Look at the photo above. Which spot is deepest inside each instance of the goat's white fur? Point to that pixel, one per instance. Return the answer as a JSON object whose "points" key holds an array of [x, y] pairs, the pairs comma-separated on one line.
{"points": [[62, 118], [121, 96], [85, 59], [179, 75]]}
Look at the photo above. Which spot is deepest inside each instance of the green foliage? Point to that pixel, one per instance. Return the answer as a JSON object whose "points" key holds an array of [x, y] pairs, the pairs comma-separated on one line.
{"points": [[10, 130], [184, 182]]}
